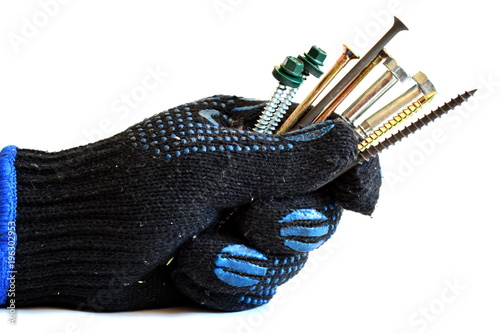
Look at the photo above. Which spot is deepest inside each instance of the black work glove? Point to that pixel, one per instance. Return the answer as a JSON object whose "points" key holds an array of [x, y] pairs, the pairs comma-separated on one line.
{"points": [[147, 218]]}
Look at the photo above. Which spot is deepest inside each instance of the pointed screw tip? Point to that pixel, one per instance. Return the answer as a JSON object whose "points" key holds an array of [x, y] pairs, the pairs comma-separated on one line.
{"points": [[472, 92]]}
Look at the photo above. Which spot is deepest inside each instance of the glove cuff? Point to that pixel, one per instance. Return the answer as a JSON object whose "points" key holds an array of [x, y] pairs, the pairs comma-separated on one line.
{"points": [[8, 205]]}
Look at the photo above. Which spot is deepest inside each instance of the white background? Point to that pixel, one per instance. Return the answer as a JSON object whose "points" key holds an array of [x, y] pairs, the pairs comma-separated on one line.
{"points": [[436, 224]]}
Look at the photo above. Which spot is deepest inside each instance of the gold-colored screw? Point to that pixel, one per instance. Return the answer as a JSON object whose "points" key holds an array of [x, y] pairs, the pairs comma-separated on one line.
{"points": [[334, 104], [395, 121]]}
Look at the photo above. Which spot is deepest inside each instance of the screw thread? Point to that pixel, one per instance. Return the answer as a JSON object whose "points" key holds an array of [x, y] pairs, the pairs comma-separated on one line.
{"points": [[415, 126], [281, 110], [395, 121], [268, 112]]}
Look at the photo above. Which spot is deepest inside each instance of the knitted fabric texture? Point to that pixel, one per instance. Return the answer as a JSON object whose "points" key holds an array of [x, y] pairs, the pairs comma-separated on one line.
{"points": [[99, 225]]}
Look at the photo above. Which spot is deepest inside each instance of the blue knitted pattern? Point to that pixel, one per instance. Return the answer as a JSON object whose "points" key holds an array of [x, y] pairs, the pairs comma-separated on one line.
{"points": [[8, 205]]}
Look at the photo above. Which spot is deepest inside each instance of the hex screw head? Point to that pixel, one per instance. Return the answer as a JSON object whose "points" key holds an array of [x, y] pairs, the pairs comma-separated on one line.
{"points": [[289, 73], [293, 66], [313, 60], [424, 84], [316, 55]]}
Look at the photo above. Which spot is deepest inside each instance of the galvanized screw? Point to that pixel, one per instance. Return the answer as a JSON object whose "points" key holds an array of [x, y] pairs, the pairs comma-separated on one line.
{"points": [[312, 61], [289, 76]]}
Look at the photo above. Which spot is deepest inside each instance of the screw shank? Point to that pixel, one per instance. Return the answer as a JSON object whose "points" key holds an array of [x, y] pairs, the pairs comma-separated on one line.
{"points": [[334, 104], [378, 117], [370, 96]]}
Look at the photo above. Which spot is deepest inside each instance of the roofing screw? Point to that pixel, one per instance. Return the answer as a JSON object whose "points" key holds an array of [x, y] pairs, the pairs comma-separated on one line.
{"points": [[289, 76], [312, 61]]}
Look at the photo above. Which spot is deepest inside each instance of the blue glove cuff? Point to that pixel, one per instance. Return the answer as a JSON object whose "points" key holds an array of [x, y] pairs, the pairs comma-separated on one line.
{"points": [[8, 205]]}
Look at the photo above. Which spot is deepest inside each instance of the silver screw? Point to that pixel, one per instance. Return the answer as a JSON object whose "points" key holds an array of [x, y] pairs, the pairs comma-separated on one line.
{"points": [[281, 110], [311, 63], [289, 75]]}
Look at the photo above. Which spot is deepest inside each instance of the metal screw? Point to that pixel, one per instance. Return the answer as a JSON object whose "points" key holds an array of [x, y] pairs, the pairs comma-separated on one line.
{"points": [[346, 56], [397, 27], [415, 126], [312, 61], [395, 121], [383, 84], [422, 86], [371, 152], [289, 76], [281, 110]]}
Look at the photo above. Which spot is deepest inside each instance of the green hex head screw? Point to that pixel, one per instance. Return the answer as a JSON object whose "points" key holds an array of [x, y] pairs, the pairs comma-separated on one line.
{"points": [[313, 60], [289, 73]]}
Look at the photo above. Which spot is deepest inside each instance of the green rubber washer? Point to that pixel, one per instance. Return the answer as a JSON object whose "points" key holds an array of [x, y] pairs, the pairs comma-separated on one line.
{"points": [[289, 73]]}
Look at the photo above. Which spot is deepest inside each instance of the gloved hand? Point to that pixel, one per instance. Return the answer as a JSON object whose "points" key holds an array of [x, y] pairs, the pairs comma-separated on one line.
{"points": [[147, 218]]}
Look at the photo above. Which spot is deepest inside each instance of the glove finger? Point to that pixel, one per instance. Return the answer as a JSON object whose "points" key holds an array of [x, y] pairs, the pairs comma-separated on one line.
{"points": [[223, 272], [358, 189], [292, 225]]}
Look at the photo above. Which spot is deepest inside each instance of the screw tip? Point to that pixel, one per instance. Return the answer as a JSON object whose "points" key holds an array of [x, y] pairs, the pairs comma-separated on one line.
{"points": [[468, 94]]}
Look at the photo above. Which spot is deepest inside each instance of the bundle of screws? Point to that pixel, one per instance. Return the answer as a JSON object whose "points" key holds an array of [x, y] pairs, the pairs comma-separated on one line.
{"points": [[375, 130]]}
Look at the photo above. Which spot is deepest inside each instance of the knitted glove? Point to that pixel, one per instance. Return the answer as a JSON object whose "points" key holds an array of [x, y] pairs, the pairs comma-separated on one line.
{"points": [[186, 207]]}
